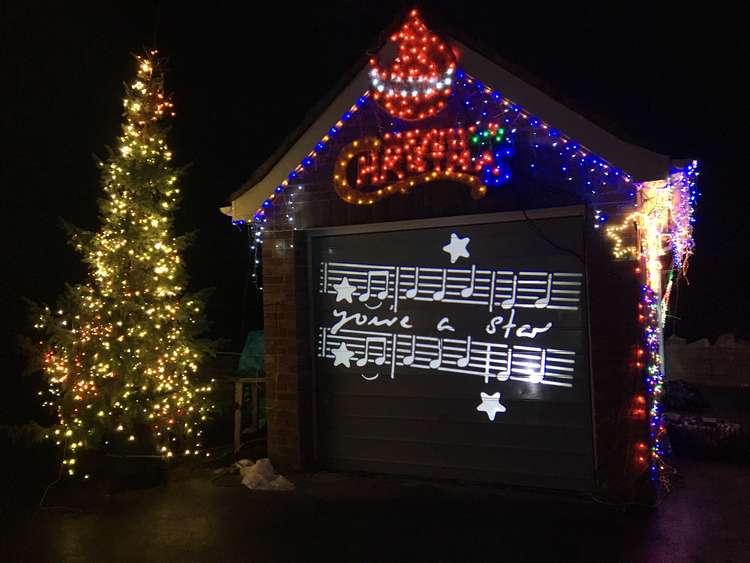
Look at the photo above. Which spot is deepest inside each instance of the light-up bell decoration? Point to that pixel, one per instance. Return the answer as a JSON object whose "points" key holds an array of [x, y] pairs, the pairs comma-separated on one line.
{"points": [[418, 81]]}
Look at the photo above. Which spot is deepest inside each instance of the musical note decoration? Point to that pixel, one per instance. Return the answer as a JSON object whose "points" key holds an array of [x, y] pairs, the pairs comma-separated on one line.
{"points": [[412, 292], [435, 363], [543, 302], [511, 301], [468, 291], [464, 360], [409, 359], [504, 375], [439, 295], [380, 357], [382, 294]]}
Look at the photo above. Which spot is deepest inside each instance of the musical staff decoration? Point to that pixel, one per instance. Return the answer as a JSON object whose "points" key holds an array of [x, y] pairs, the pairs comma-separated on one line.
{"points": [[493, 289], [381, 340], [468, 356]]}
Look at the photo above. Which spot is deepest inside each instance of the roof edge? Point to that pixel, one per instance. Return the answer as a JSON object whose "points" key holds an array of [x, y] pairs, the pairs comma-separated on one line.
{"points": [[640, 163]]}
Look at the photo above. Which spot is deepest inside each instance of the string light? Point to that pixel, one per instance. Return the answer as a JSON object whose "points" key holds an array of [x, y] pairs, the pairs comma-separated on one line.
{"points": [[595, 172], [664, 218], [403, 160], [121, 355], [682, 183], [307, 162], [620, 250]]}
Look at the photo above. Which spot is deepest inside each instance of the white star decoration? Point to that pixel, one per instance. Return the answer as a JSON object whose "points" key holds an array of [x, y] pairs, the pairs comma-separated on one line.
{"points": [[342, 355], [344, 290], [491, 404], [457, 248]]}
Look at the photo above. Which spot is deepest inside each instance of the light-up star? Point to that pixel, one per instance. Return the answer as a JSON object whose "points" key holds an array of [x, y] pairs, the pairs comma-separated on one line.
{"points": [[344, 290], [342, 356], [491, 404], [457, 248]]}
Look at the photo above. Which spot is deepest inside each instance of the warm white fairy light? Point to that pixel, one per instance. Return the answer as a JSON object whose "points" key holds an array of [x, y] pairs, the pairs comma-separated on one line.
{"points": [[125, 345]]}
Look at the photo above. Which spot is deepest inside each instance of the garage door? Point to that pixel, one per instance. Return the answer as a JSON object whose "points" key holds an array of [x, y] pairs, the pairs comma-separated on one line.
{"points": [[454, 351]]}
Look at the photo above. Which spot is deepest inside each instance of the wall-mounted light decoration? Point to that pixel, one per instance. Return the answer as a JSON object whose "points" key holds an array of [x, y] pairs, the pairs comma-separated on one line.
{"points": [[418, 81], [371, 169]]}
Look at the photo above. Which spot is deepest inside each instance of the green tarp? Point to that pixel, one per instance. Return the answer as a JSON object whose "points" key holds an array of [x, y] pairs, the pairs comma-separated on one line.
{"points": [[251, 359]]}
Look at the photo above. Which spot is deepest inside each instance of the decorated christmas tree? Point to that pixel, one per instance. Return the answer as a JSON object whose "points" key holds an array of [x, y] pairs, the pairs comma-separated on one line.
{"points": [[121, 350]]}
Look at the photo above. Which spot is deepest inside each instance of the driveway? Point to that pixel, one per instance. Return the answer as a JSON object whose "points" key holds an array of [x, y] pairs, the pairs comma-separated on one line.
{"points": [[339, 517]]}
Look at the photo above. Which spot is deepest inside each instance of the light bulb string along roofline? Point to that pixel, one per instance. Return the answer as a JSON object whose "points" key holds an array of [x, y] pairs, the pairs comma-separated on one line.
{"points": [[575, 150], [572, 150]]}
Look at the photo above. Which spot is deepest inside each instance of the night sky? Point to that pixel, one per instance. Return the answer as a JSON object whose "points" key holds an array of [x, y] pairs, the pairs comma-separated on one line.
{"points": [[669, 81]]}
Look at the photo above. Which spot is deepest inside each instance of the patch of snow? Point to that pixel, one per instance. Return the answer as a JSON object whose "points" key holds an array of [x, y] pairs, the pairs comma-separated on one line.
{"points": [[262, 476]]}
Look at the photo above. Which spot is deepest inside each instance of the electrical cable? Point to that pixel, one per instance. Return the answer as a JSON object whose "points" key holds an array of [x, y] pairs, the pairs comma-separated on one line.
{"points": [[55, 482], [521, 206]]}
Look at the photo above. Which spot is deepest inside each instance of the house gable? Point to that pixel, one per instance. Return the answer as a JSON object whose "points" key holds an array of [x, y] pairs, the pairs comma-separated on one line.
{"points": [[474, 72]]}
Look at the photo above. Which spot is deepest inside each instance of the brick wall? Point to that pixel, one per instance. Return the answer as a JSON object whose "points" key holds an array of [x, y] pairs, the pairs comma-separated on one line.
{"points": [[287, 348]]}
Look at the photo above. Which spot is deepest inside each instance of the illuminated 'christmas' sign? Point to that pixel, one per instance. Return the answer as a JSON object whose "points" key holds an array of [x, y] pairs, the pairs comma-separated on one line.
{"points": [[370, 169]]}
